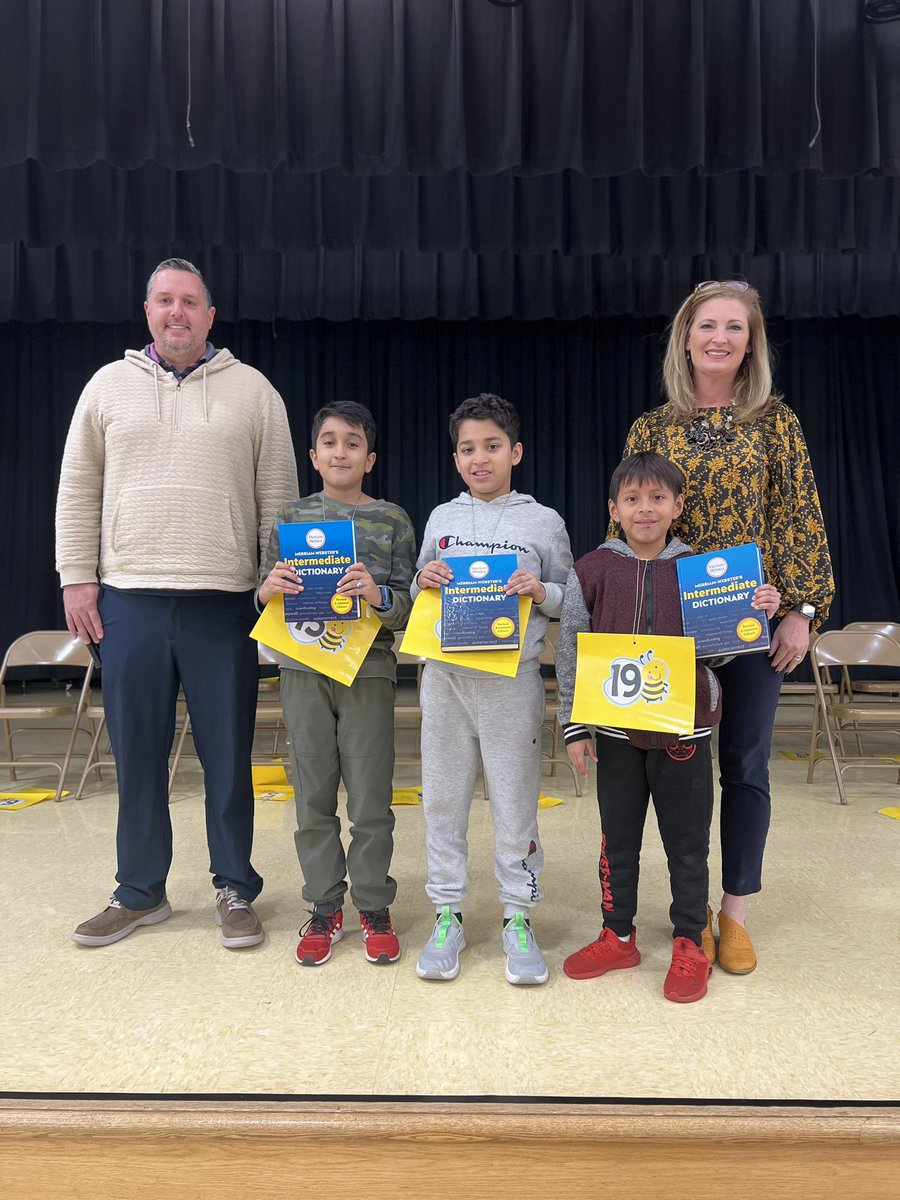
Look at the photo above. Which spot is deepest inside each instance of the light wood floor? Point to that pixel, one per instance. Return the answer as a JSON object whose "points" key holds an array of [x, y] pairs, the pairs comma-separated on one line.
{"points": [[368, 1064]]}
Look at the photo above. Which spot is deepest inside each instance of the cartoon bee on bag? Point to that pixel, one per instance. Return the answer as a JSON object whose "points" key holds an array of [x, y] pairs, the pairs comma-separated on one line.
{"points": [[654, 674], [330, 635], [632, 679]]}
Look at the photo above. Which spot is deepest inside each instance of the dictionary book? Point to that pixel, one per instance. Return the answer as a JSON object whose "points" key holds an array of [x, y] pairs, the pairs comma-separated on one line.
{"points": [[320, 552], [716, 591], [476, 613]]}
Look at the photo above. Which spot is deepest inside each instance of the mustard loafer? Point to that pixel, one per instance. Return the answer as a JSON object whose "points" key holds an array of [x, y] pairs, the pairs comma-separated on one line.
{"points": [[707, 939], [736, 953]]}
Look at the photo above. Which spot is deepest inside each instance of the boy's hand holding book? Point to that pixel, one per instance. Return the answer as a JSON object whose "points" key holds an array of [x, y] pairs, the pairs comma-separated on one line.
{"points": [[358, 582], [281, 578], [525, 583], [767, 597], [435, 574]]}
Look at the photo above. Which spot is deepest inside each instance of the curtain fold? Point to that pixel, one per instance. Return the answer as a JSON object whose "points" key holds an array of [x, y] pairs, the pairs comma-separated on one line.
{"points": [[100, 284], [605, 87], [630, 216]]}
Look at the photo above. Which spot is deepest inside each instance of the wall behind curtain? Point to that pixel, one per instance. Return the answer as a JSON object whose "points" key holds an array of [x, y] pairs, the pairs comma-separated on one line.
{"points": [[578, 386]]}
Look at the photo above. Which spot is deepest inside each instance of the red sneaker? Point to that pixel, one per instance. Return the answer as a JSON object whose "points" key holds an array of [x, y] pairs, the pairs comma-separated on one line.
{"points": [[688, 974], [606, 954], [317, 937], [382, 946]]}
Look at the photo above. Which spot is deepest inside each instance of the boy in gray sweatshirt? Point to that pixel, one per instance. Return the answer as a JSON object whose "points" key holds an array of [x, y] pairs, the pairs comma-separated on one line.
{"points": [[470, 716]]}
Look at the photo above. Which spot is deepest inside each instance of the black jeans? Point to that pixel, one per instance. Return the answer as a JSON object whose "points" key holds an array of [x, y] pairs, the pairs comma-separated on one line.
{"points": [[680, 781]]}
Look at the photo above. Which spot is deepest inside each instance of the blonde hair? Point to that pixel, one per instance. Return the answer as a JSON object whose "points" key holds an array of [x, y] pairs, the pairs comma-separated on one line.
{"points": [[753, 393]]}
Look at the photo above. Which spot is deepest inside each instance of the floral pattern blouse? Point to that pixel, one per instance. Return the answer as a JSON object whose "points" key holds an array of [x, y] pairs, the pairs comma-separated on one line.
{"points": [[758, 487]]}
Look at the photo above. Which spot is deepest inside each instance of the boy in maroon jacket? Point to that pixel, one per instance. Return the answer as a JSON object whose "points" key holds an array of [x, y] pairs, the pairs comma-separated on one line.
{"points": [[630, 585]]}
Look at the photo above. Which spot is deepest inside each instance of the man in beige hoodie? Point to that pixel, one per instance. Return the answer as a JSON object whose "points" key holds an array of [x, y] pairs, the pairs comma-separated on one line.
{"points": [[177, 458]]}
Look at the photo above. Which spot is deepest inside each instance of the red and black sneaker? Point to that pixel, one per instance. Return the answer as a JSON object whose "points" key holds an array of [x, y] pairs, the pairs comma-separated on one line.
{"points": [[381, 942], [317, 937], [688, 974]]}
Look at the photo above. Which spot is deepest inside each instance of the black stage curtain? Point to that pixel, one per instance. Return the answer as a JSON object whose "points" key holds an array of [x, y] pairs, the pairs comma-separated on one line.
{"points": [[86, 284], [578, 386], [568, 213], [604, 87]]}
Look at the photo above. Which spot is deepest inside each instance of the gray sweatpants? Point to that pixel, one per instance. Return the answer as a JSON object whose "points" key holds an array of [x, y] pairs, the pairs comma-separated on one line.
{"points": [[342, 732], [467, 718]]}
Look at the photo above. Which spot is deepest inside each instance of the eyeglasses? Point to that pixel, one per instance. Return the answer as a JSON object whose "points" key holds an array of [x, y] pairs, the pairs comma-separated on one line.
{"points": [[736, 285]]}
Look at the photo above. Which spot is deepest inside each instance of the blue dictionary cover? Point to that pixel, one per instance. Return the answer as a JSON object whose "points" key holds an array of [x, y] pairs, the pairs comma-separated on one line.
{"points": [[716, 590], [320, 552], [476, 613]]}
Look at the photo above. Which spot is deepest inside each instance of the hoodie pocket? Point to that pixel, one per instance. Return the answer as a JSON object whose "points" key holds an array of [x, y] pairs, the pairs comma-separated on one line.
{"points": [[174, 530]]}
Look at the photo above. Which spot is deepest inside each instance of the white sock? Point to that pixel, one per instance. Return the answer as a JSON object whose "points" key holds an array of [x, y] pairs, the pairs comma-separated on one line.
{"points": [[625, 939]]}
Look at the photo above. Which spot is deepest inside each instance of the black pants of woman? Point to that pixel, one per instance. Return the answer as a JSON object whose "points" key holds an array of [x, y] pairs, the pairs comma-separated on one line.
{"points": [[750, 689]]}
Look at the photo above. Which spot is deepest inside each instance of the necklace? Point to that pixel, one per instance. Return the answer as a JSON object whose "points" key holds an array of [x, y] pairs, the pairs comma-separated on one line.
{"points": [[703, 431], [325, 518], [496, 527]]}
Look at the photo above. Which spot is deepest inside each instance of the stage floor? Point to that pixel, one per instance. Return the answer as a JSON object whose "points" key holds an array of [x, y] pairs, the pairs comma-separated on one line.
{"points": [[169, 1012]]}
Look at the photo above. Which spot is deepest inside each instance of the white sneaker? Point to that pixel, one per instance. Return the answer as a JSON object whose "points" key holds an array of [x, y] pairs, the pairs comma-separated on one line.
{"points": [[440, 957], [524, 961]]}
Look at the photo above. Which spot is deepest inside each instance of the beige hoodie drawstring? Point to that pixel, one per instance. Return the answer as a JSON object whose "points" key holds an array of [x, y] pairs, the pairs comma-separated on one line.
{"points": [[205, 405], [156, 389]]}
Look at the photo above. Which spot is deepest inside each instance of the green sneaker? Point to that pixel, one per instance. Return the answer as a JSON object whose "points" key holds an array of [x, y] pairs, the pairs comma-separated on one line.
{"points": [[524, 961], [440, 957]]}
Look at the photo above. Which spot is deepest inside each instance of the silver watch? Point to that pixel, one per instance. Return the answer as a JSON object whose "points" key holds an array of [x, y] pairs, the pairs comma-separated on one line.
{"points": [[805, 609]]}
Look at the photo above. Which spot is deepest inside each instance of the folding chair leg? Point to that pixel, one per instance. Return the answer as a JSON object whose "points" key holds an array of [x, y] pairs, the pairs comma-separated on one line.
{"points": [[834, 761], [185, 730], [92, 763]]}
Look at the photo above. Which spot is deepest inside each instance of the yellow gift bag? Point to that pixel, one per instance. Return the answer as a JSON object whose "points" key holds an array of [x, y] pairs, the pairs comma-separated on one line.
{"points": [[333, 648], [423, 640], [635, 682]]}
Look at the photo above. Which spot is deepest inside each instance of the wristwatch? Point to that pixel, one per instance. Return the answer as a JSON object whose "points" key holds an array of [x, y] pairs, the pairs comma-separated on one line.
{"points": [[805, 609], [387, 599]]}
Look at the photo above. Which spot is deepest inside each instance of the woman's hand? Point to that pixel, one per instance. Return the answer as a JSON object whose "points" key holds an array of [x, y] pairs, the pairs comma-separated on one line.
{"points": [[790, 642], [281, 578], [767, 597]]}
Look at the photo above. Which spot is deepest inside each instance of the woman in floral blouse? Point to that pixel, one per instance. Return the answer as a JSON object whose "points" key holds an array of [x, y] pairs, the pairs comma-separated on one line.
{"points": [[748, 479]]}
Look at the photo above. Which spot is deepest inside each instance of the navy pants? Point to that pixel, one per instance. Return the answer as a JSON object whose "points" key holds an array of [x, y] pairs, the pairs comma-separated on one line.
{"points": [[151, 644], [750, 689]]}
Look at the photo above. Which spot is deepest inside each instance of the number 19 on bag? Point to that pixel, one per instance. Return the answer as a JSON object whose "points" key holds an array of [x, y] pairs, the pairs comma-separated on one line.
{"points": [[635, 682]]}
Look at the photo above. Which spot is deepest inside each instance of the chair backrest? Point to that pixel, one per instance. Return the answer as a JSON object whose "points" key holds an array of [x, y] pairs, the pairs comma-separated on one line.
{"points": [[267, 657], [855, 648], [890, 629], [409, 659], [46, 648], [547, 656]]}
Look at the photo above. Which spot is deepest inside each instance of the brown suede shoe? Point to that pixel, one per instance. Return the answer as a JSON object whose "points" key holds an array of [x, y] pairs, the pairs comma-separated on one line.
{"points": [[116, 922], [239, 923], [736, 953], [707, 939]]}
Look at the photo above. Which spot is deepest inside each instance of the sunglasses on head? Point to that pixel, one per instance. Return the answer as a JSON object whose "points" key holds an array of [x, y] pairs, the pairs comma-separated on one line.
{"points": [[736, 285]]}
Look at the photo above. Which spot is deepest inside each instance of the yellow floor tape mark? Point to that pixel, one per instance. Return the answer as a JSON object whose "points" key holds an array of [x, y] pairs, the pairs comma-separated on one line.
{"points": [[549, 801], [890, 812], [411, 795]]}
